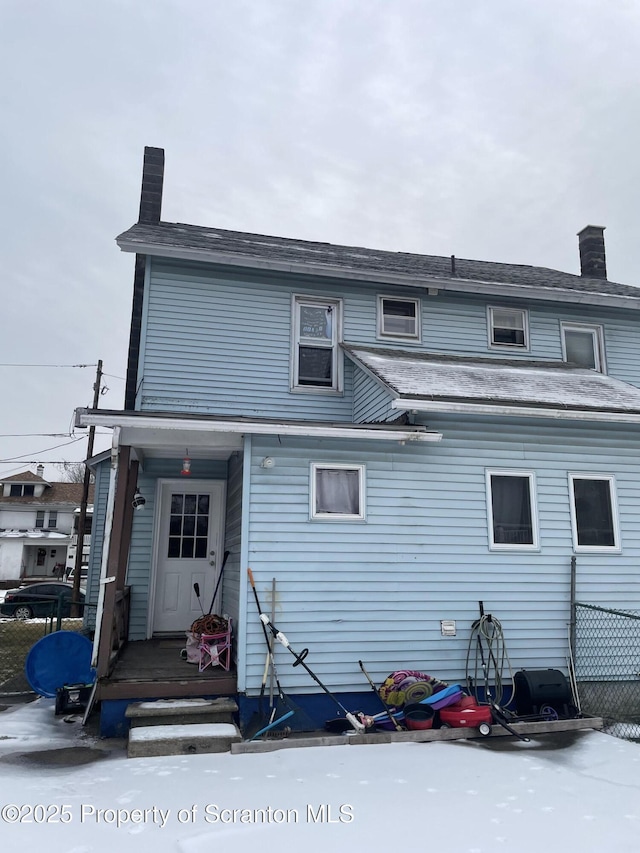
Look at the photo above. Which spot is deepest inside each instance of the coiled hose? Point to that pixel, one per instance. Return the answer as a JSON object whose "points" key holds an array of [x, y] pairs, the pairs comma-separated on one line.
{"points": [[491, 660]]}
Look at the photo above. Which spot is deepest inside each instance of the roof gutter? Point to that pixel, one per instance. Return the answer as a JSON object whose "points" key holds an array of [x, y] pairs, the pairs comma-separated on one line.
{"points": [[457, 285], [87, 418], [454, 408]]}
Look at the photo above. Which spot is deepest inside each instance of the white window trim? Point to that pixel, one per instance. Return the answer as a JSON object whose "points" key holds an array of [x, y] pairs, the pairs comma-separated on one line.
{"points": [[616, 548], [337, 362], [332, 516], [525, 325], [597, 333], [381, 334], [533, 502]]}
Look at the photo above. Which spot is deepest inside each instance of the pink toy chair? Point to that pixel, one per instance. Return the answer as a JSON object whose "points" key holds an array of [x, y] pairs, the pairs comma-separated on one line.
{"points": [[215, 649]]}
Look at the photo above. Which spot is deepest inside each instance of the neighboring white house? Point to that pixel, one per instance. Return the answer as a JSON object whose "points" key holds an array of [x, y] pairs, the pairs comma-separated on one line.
{"points": [[38, 519]]}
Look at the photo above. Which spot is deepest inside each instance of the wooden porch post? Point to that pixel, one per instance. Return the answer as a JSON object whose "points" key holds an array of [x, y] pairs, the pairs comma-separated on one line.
{"points": [[118, 552]]}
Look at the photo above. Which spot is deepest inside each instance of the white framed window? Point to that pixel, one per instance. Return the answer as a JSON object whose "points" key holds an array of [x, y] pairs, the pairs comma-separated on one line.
{"points": [[594, 512], [508, 327], [316, 333], [583, 345], [40, 518], [53, 519], [398, 318], [337, 491], [511, 503]]}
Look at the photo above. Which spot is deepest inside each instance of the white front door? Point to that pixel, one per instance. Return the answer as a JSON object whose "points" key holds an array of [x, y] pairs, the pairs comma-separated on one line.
{"points": [[189, 551]]}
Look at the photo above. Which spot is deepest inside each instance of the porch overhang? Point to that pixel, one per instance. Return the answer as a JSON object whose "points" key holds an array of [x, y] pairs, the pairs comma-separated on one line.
{"points": [[447, 384], [147, 428]]}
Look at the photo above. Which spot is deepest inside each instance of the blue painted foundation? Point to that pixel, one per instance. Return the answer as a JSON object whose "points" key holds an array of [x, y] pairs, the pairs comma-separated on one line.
{"points": [[311, 711]]}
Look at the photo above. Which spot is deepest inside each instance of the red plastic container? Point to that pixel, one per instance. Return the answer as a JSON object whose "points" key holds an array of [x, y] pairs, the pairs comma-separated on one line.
{"points": [[465, 714], [417, 717]]}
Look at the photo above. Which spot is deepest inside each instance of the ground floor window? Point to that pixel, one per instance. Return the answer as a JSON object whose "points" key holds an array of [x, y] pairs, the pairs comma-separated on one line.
{"points": [[337, 491], [512, 514], [594, 513]]}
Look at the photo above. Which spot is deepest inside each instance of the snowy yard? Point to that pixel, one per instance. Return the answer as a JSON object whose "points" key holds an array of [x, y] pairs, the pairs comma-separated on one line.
{"points": [[578, 791]]}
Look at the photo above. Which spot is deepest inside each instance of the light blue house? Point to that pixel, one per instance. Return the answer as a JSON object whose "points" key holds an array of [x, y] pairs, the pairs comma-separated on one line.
{"points": [[385, 438]]}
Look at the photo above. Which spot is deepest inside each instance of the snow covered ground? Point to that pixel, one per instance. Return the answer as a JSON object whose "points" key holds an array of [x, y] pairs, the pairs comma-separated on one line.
{"points": [[558, 793]]}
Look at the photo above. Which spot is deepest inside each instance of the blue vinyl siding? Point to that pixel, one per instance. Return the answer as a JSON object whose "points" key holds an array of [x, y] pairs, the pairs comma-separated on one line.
{"points": [[371, 402], [377, 591], [220, 342], [223, 345]]}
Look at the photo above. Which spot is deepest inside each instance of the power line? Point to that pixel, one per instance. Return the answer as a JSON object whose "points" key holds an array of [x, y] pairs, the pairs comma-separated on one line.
{"points": [[47, 365], [45, 450]]}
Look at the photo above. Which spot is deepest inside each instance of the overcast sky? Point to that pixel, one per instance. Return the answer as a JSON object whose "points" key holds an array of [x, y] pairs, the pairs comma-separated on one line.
{"points": [[488, 129]]}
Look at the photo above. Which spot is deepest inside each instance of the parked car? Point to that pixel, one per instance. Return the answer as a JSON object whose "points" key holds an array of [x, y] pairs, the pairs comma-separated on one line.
{"points": [[84, 571], [39, 599]]}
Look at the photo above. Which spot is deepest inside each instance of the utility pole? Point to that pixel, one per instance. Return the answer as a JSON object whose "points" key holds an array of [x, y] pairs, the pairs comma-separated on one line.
{"points": [[82, 518]]}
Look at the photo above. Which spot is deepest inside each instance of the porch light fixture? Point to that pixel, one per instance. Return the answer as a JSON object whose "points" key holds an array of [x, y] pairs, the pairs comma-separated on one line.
{"points": [[267, 462], [139, 500], [186, 466]]}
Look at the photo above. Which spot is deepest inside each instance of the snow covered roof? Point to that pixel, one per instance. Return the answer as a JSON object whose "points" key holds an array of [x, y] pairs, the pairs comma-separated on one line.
{"points": [[435, 382], [31, 533]]}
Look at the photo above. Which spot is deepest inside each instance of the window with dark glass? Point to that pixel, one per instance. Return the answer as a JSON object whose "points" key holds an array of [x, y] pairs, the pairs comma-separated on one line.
{"points": [[508, 327], [40, 518], [512, 512], [594, 516], [21, 491], [315, 357]]}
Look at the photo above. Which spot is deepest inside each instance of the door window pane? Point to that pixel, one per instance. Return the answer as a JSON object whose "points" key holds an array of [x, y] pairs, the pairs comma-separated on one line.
{"points": [[189, 517]]}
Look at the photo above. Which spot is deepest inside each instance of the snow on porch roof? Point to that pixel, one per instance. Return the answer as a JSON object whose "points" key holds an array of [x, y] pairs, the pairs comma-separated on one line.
{"points": [[435, 382]]}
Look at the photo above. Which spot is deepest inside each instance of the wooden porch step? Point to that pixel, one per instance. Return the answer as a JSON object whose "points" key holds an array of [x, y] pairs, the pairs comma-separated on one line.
{"points": [[182, 739], [177, 711]]}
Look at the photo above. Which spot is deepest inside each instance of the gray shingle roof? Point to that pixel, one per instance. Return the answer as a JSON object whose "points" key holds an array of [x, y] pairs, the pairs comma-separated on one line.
{"points": [[58, 493], [176, 239], [432, 377]]}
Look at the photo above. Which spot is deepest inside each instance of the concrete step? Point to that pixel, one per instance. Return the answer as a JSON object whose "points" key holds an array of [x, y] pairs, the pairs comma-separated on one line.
{"points": [[163, 712], [182, 739]]}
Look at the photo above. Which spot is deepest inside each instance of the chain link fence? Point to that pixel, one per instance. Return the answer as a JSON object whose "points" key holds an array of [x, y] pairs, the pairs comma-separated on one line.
{"points": [[18, 635], [607, 667]]}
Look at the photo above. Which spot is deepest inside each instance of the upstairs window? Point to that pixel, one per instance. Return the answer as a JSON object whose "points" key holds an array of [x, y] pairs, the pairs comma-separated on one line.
{"points": [[53, 520], [512, 514], [594, 514], [21, 491], [398, 318], [316, 333], [583, 345], [508, 327], [337, 491], [40, 518]]}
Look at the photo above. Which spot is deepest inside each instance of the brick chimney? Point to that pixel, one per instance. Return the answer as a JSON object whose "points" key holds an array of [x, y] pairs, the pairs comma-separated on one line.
{"points": [[593, 261], [152, 179]]}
